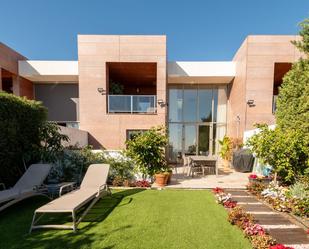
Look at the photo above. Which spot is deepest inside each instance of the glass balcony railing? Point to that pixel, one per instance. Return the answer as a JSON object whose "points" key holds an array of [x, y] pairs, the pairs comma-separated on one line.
{"points": [[132, 104]]}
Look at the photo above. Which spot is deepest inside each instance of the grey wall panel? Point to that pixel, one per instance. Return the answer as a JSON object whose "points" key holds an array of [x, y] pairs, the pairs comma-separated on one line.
{"points": [[60, 99]]}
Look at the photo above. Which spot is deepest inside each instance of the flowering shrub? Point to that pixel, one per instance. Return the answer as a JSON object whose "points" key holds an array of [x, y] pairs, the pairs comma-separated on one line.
{"points": [[142, 184], [253, 229], [255, 187], [230, 204], [237, 216], [252, 176], [217, 190], [280, 246], [262, 241]]}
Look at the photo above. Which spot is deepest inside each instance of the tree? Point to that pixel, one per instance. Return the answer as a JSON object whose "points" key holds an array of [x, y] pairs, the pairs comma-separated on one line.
{"points": [[293, 100], [147, 150]]}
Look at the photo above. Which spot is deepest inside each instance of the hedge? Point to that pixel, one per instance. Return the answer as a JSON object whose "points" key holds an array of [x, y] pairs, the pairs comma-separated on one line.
{"points": [[20, 123]]}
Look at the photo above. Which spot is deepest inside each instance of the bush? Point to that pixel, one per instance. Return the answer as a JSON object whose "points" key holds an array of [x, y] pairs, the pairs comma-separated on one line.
{"points": [[262, 241], [21, 121], [147, 150], [237, 216], [286, 151], [72, 164]]}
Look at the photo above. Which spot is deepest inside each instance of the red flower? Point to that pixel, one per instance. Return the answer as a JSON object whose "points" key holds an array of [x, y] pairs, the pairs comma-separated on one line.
{"points": [[252, 176], [217, 190], [230, 204], [308, 231]]}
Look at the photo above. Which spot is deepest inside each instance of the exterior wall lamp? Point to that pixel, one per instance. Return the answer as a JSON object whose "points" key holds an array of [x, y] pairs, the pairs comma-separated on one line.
{"points": [[250, 103], [161, 103], [101, 90]]}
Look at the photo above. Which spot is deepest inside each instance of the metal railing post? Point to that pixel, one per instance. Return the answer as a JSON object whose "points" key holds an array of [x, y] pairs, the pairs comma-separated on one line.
{"points": [[131, 103]]}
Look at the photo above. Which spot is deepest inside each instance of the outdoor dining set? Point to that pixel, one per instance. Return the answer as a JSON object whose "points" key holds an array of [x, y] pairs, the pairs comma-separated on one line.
{"points": [[199, 164]]}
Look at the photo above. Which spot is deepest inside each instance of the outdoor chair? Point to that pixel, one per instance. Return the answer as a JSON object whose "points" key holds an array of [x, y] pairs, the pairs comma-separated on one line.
{"points": [[93, 188], [30, 184]]}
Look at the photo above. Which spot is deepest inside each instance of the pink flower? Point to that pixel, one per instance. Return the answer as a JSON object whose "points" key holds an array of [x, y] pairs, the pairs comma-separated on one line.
{"points": [[280, 246]]}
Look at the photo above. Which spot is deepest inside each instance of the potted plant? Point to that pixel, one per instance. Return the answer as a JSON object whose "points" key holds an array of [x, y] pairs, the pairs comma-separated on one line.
{"points": [[226, 149], [147, 150]]}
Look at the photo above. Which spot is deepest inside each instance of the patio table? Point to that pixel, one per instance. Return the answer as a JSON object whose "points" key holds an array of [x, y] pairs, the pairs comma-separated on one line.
{"points": [[203, 162]]}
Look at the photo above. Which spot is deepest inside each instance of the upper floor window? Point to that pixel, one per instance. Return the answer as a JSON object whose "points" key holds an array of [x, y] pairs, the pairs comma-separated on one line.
{"points": [[131, 87]]}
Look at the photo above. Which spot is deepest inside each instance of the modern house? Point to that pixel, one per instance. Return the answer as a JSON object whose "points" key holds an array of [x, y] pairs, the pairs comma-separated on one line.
{"points": [[122, 84]]}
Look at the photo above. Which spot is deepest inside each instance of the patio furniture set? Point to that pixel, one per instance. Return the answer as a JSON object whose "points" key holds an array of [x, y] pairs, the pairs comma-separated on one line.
{"points": [[200, 164]]}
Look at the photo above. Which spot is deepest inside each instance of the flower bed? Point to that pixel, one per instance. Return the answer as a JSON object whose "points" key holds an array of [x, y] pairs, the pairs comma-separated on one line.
{"points": [[245, 221], [283, 199]]}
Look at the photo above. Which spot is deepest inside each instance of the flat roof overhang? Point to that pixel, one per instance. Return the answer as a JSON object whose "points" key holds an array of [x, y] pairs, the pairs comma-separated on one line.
{"points": [[49, 71], [210, 72]]}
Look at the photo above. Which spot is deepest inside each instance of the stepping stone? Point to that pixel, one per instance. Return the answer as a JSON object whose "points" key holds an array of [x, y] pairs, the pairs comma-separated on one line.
{"points": [[274, 219], [258, 208], [289, 236], [244, 199]]}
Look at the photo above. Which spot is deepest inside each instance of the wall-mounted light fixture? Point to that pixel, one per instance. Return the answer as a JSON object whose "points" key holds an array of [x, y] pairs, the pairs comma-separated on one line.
{"points": [[101, 90], [250, 103], [161, 103]]}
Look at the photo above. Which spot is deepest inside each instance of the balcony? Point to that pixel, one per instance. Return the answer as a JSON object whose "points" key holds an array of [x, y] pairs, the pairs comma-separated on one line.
{"points": [[139, 104]]}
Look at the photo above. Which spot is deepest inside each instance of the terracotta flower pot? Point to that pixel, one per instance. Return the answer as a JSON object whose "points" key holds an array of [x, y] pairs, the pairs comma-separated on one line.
{"points": [[161, 179]]}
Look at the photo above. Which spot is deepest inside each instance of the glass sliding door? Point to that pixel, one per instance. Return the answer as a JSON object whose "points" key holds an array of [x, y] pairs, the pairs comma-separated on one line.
{"points": [[197, 119], [189, 140], [203, 140], [175, 141]]}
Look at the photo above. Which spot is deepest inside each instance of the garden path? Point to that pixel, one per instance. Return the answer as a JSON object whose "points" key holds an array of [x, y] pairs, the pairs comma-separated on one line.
{"points": [[285, 230]]}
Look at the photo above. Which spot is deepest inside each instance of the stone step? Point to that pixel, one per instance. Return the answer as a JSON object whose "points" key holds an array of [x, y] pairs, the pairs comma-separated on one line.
{"points": [[289, 236]]}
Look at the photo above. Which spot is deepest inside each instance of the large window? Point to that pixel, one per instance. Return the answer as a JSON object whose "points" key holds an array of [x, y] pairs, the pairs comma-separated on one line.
{"points": [[197, 119]]}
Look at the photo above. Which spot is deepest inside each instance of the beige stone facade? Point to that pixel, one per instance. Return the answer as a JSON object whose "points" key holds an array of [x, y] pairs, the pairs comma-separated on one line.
{"points": [[251, 78], [109, 130]]}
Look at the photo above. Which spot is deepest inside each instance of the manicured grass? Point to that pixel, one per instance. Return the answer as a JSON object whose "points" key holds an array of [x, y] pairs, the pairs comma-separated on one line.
{"points": [[132, 219]]}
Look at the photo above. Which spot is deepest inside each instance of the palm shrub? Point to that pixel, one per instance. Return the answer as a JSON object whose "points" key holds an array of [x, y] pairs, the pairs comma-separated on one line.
{"points": [[226, 148], [147, 151]]}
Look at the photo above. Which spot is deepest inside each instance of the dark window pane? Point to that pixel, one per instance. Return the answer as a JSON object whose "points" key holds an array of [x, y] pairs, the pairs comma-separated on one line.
{"points": [[175, 105], [205, 104], [190, 105]]}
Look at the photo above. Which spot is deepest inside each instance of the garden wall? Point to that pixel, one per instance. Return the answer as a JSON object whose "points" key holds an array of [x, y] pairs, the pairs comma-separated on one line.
{"points": [[76, 136]]}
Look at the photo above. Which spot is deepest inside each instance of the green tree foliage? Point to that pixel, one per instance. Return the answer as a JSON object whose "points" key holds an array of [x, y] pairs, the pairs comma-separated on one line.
{"points": [[286, 151], [303, 44], [147, 150], [293, 100]]}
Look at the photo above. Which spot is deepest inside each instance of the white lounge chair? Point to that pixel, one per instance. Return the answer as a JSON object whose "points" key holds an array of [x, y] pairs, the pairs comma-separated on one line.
{"points": [[93, 188], [27, 186]]}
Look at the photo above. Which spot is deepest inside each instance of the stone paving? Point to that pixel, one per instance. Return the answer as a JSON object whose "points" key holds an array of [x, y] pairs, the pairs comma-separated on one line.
{"points": [[225, 179], [284, 230]]}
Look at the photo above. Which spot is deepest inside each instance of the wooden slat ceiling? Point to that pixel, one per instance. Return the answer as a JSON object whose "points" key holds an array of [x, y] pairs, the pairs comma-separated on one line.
{"points": [[133, 73]]}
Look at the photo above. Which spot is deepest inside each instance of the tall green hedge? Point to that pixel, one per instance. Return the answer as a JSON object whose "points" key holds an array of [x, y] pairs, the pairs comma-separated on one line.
{"points": [[20, 123]]}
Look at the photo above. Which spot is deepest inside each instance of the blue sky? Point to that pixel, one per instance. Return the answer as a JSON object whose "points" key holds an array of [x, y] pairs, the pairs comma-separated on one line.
{"points": [[196, 30]]}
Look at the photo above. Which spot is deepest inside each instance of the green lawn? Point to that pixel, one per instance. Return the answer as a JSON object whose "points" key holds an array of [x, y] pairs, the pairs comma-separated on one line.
{"points": [[132, 219]]}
